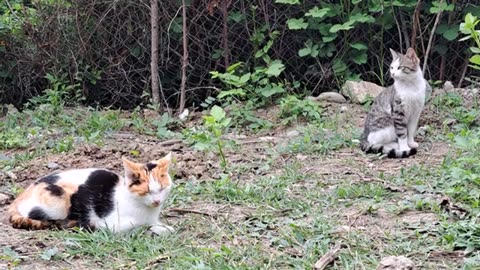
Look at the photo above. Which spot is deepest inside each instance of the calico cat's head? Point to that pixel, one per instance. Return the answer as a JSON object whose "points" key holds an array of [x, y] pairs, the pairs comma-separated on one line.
{"points": [[404, 66], [149, 182]]}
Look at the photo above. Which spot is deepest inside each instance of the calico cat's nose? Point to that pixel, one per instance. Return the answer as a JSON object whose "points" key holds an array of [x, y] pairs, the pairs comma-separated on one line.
{"points": [[155, 203]]}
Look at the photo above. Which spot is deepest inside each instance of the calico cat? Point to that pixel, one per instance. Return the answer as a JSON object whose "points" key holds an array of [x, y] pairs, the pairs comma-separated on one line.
{"points": [[392, 121], [96, 198]]}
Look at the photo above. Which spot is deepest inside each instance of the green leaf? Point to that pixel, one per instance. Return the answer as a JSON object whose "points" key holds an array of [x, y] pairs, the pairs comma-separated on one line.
{"points": [[337, 27], [362, 18], [270, 91], [233, 67], [296, 24], [358, 46], [356, 1], [49, 253], [475, 50], [440, 6], [275, 68], [304, 52], [360, 58], [475, 60], [217, 113], [317, 13], [451, 34], [290, 2]]}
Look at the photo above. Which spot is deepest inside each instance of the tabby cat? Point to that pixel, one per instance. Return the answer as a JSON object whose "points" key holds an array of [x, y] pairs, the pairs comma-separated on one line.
{"points": [[96, 198], [392, 121]]}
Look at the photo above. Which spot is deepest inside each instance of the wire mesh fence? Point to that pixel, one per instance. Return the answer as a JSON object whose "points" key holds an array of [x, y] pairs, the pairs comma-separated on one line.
{"points": [[103, 46]]}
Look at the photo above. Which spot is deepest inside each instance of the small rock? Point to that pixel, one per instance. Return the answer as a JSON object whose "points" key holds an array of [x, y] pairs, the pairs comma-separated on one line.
{"points": [[361, 92], [183, 115], [396, 263], [292, 133], [11, 175], [4, 198], [330, 97], [422, 131], [343, 109], [53, 165], [4, 157], [448, 86]]}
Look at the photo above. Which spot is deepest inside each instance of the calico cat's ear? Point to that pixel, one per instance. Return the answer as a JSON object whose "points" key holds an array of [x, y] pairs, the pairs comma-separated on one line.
{"points": [[130, 166], [167, 159], [395, 55], [412, 55]]}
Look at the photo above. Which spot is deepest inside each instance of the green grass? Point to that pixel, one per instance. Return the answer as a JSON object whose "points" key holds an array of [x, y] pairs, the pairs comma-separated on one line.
{"points": [[278, 212]]}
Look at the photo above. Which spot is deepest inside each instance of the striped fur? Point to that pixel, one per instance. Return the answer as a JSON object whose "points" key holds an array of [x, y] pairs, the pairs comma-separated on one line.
{"points": [[391, 123]]}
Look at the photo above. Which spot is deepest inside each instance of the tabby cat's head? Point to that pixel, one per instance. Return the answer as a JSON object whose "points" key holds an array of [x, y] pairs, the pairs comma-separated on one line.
{"points": [[404, 66], [151, 181]]}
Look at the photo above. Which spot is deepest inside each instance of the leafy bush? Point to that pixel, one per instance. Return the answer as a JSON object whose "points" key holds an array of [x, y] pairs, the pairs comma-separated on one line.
{"points": [[469, 29], [292, 108]]}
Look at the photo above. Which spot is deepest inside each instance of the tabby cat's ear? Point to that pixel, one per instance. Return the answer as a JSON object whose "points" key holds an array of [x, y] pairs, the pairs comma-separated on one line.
{"points": [[395, 55], [412, 55]]}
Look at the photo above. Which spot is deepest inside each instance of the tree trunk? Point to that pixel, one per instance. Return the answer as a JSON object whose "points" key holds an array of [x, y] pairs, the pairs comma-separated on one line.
{"points": [[154, 57]]}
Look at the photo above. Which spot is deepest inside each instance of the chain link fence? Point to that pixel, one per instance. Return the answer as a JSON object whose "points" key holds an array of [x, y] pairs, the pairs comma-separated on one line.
{"points": [[103, 46]]}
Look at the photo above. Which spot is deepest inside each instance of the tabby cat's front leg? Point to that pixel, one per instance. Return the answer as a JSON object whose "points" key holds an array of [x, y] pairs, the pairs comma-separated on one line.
{"points": [[160, 228], [400, 124], [412, 129]]}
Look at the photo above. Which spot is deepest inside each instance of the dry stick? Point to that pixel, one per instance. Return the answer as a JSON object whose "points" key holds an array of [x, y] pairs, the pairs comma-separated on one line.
{"points": [[193, 211], [464, 72], [399, 30], [154, 51], [415, 19], [328, 258], [404, 29], [430, 40], [226, 52], [184, 58]]}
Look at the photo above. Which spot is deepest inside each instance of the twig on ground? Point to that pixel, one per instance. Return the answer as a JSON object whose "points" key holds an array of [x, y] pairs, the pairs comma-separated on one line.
{"points": [[193, 211], [328, 258]]}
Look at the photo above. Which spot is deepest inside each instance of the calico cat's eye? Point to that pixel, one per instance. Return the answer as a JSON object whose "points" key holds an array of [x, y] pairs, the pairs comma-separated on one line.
{"points": [[162, 175]]}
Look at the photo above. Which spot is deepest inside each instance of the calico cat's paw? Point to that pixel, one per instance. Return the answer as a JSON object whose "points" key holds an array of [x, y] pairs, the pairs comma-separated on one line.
{"points": [[160, 229]]}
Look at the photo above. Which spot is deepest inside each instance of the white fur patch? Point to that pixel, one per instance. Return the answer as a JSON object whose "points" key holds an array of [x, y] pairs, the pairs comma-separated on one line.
{"points": [[382, 136]]}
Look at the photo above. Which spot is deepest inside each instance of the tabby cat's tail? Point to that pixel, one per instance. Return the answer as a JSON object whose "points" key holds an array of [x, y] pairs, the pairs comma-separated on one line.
{"points": [[389, 150]]}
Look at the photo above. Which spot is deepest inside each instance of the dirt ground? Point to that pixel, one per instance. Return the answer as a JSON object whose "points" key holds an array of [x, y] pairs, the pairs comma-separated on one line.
{"points": [[349, 163]]}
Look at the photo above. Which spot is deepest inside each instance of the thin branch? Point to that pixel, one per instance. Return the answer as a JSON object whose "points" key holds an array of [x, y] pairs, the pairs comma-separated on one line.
{"points": [[430, 40], [416, 25], [154, 58], [404, 29], [184, 58]]}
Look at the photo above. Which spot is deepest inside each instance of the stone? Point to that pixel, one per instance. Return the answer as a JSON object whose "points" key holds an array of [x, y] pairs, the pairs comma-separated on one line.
{"points": [[330, 97], [361, 92], [396, 263], [448, 86], [292, 133], [53, 165], [4, 199], [5, 157]]}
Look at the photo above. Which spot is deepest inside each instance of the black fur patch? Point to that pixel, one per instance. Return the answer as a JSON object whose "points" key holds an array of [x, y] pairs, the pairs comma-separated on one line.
{"points": [[405, 154], [151, 166], [413, 151], [38, 214], [49, 179], [391, 154], [95, 194], [55, 190]]}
